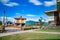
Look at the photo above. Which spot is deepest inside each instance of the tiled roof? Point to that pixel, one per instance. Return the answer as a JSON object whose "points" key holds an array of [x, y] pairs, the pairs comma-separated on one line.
{"points": [[50, 11], [18, 18]]}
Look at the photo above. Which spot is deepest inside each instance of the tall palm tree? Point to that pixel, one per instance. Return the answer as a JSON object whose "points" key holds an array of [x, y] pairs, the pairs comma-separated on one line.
{"points": [[40, 21]]}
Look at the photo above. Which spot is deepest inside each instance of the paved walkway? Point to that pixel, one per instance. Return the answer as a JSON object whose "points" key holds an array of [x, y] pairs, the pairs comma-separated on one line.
{"points": [[17, 32], [31, 31]]}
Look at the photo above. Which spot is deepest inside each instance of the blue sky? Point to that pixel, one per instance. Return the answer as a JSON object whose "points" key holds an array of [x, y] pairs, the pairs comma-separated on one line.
{"points": [[30, 9]]}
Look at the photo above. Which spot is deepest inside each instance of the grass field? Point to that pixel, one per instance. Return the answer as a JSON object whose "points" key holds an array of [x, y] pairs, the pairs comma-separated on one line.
{"points": [[48, 30], [31, 36]]}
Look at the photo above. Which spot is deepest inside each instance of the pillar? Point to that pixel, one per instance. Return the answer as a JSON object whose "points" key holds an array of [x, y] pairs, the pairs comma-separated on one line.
{"points": [[56, 18]]}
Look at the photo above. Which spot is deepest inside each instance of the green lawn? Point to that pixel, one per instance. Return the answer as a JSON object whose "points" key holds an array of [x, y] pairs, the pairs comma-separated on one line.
{"points": [[48, 30], [31, 36]]}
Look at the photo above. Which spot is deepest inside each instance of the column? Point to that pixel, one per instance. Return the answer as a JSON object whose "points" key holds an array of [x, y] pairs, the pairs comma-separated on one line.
{"points": [[56, 18]]}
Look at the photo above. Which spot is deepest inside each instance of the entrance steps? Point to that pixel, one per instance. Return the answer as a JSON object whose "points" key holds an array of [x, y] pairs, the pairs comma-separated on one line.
{"points": [[52, 25]]}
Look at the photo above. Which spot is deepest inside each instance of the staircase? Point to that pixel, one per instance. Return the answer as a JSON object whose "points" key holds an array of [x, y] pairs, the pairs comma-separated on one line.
{"points": [[52, 25]]}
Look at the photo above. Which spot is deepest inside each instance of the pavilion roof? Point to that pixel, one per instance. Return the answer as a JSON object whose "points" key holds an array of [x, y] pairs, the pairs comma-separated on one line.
{"points": [[50, 11]]}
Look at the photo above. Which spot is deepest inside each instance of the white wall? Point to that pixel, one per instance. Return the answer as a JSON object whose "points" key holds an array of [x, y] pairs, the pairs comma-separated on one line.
{"points": [[51, 18]]}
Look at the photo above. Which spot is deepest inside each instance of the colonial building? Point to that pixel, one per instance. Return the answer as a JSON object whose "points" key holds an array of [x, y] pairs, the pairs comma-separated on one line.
{"points": [[52, 16], [55, 14], [20, 21]]}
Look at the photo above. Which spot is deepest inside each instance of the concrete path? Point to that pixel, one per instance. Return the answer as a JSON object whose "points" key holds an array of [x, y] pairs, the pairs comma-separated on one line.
{"points": [[17, 32], [31, 31]]}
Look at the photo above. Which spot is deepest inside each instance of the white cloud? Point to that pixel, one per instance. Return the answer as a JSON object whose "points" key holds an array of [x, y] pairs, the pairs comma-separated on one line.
{"points": [[35, 2], [8, 3], [8, 19], [4, 1], [11, 4], [31, 15], [43, 21], [46, 20], [17, 15], [28, 19], [50, 3], [51, 18]]}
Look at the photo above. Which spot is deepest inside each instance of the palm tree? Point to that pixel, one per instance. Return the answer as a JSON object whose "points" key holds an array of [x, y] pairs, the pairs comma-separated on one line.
{"points": [[40, 21]]}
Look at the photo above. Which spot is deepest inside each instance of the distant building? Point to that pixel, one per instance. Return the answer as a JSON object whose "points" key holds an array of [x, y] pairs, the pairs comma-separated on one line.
{"points": [[20, 21]]}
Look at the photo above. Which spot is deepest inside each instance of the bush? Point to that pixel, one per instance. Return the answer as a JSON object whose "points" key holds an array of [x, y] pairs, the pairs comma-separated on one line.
{"points": [[2, 28], [27, 28]]}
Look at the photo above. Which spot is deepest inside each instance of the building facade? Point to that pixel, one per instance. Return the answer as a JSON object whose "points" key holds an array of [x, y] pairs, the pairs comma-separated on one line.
{"points": [[50, 15], [55, 14], [20, 21]]}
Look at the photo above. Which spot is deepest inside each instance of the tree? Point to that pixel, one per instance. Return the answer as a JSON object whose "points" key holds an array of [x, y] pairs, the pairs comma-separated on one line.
{"points": [[42, 24], [40, 21], [9, 22]]}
